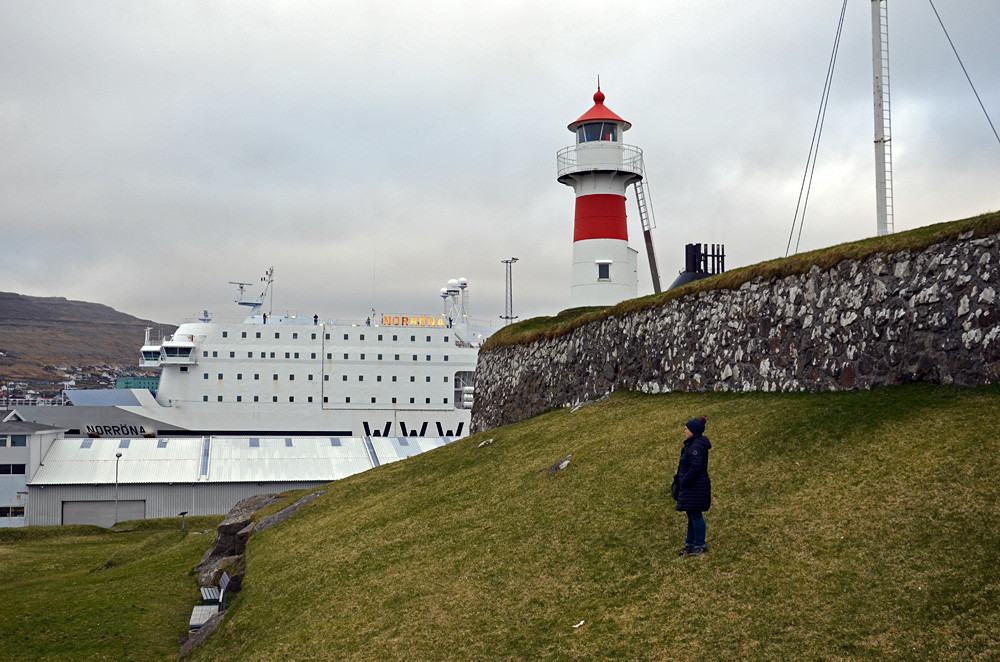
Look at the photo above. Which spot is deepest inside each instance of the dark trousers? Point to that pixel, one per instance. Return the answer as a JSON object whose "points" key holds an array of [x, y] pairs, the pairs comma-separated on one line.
{"points": [[696, 530]]}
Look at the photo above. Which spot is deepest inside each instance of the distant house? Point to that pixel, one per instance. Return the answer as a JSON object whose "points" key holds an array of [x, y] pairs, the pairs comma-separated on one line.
{"points": [[151, 384]]}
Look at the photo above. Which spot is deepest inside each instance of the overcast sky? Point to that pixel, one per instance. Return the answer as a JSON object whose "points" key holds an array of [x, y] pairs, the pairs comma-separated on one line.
{"points": [[369, 151]]}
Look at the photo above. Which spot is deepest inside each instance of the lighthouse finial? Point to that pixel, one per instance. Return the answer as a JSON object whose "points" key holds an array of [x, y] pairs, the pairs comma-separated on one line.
{"points": [[598, 96]]}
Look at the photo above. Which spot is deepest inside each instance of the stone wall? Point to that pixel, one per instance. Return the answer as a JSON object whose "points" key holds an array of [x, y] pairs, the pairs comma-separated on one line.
{"points": [[891, 319]]}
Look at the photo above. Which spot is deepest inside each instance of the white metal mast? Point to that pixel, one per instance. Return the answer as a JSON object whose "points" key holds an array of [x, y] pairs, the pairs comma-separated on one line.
{"points": [[883, 123]]}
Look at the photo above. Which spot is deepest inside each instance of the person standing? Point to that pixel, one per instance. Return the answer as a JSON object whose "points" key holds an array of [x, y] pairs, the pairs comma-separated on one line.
{"points": [[694, 493]]}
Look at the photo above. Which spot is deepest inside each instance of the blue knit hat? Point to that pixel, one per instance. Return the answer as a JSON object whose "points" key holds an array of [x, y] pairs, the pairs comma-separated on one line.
{"points": [[696, 425]]}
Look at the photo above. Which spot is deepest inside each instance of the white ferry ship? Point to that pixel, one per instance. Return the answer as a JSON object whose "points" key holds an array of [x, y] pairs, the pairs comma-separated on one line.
{"points": [[394, 375]]}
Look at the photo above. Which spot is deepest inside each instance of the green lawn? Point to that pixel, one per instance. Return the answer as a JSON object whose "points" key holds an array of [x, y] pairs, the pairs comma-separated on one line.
{"points": [[83, 592], [845, 526]]}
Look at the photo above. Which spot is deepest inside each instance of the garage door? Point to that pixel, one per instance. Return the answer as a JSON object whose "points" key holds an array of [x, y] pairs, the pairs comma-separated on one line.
{"points": [[101, 513]]}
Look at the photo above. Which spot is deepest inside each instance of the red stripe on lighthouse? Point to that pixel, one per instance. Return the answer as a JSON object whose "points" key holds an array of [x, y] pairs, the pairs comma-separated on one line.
{"points": [[600, 216]]}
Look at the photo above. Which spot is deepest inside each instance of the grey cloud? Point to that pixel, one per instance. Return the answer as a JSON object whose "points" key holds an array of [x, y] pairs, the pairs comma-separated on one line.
{"points": [[371, 151]]}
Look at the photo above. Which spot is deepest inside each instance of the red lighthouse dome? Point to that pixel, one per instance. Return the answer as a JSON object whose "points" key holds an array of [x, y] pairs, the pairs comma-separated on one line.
{"points": [[599, 112]]}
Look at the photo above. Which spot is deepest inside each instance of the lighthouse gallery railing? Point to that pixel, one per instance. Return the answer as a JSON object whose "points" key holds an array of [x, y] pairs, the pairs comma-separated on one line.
{"points": [[599, 155]]}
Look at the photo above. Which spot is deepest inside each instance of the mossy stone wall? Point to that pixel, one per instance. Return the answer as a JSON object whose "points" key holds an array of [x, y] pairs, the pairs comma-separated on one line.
{"points": [[891, 319]]}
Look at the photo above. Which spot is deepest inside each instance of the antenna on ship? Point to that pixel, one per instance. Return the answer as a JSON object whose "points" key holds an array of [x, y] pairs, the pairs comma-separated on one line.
{"points": [[256, 304], [268, 279], [463, 285], [242, 287], [455, 296]]}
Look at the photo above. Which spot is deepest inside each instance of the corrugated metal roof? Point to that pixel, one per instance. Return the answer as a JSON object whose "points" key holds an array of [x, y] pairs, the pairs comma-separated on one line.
{"points": [[234, 459], [90, 461], [221, 459], [392, 449]]}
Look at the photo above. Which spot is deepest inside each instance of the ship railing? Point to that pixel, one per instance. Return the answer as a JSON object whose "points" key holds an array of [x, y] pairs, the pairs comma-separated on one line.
{"points": [[473, 326], [285, 318], [7, 402]]}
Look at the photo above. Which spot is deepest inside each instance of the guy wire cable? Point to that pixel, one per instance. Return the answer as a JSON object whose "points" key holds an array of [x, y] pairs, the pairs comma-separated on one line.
{"points": [[955, 50], [817, 133]]}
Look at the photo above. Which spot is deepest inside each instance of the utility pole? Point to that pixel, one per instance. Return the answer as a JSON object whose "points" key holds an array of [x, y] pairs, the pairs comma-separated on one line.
{"points": [[509, 307], [118, 456]]}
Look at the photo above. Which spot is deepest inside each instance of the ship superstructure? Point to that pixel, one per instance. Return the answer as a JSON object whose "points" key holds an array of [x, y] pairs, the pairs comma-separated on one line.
{"points": [[389, 375]]}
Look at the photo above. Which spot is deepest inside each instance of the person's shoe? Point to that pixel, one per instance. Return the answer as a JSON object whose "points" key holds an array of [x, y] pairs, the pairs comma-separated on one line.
{"points": [[697, 551], [684, 552]]}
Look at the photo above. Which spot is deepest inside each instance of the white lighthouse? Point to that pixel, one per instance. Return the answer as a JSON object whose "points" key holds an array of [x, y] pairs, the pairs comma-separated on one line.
{"points": [[600, 167]]}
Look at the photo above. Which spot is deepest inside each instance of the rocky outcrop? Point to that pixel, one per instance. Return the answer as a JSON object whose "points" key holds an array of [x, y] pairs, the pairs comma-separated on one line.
{"points": [[227, 550], [890, 319], [284, 513], [231, 538], [235, 530]]}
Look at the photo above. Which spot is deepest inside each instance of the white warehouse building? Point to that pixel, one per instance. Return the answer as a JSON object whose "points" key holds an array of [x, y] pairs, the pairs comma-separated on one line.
{"points": [[104, 480]]}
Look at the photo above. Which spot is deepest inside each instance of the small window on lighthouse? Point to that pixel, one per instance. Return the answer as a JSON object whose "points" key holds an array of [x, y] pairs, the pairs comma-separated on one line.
{"points": [[603, 272], [607, 131]]}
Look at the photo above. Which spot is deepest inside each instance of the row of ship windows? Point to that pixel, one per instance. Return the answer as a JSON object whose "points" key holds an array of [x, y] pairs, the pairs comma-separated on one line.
{"points": [[326, 400], [361, 336], [326, 378], [312, 355]]}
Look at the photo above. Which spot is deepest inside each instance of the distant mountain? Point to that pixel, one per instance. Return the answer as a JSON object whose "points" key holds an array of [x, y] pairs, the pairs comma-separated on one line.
{"points": [[39, 333]]}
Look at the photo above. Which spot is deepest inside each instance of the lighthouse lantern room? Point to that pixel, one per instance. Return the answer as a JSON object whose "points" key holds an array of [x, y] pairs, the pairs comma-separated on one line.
{"points": [[600, 167]]}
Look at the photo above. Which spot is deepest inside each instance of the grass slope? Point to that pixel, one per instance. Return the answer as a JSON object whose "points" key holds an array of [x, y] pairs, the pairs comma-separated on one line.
{"points": [[845, 526], [83, 592]]}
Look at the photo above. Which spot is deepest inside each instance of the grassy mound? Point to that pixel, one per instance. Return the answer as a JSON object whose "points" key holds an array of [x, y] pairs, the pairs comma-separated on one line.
{"points": [[916, 240], [845, 526]]}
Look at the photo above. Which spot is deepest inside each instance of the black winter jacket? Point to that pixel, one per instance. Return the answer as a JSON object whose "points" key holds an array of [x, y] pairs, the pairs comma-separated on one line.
{"points": [[692, 475]]}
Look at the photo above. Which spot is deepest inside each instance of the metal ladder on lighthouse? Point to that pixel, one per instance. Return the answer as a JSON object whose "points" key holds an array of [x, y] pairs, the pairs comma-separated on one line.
{"points": [[648, 223]]}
